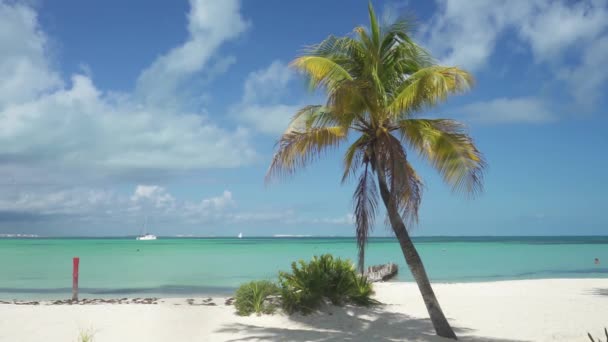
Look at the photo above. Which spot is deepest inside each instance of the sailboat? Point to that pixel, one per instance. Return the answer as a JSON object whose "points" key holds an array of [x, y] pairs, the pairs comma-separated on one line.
{"points": [[240, 236], [146, 236]]}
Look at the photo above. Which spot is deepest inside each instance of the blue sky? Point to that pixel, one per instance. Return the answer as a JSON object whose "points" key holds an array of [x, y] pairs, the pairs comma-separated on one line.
{"points": [[114, 111]]}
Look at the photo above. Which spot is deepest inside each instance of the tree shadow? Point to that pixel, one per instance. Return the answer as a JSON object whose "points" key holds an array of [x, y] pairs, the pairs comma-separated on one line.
{"points": [[599, 291], [349, 323]]}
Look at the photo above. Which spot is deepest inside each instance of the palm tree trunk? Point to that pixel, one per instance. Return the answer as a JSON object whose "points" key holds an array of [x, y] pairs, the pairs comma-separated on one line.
{"points": [[440, 323], [361, 261]]}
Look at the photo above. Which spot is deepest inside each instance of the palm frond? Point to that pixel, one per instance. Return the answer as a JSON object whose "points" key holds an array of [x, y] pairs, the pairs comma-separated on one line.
{"points": [[296, 149], [356, 156], [405, 184], [337, 48], [426, 88], [316, 116], [449, 149], [322, 71], [348, 99], [374, 26], [365, 201]]}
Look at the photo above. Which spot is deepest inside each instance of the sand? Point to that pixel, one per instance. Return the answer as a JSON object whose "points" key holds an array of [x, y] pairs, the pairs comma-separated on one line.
{"points": [[522, 310]]}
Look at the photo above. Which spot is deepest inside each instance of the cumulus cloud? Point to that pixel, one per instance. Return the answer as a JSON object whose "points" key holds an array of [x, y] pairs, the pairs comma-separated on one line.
{"points": [[210, 24], [166, 212], [25, 70], [587, 79], [152, 195], [69, 202], [508, 110], [553, 27], [99, 204], [465, 33], [261, 106], [46, 124]]}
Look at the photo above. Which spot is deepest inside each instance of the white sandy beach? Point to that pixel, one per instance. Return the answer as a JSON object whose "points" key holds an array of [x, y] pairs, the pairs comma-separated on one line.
{"points": [[523, 310]]}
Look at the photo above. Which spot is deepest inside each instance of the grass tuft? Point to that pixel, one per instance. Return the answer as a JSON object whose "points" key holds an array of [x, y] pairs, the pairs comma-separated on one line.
{"points": [[86, 336], [255, 297]]}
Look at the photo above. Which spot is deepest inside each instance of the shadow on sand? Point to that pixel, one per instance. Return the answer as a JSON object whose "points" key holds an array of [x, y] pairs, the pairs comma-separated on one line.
{"points": [[353, 324], [599, 291]]}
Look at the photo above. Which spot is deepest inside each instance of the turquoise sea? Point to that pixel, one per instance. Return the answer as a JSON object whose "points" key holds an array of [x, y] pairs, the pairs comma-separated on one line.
{"points": [[40, 268]]}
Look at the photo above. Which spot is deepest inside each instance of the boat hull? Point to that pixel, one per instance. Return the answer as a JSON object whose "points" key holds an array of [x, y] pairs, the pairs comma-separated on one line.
{"points": [[146, 238]]}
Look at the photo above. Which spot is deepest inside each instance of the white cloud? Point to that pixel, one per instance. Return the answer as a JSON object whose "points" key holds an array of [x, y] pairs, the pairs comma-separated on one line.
{"points": [[210, 24], [217, 204], [261, 106], [80, 127], [46, 125], [75, 201], [152, 194], [290, 217], [348, 220], [267, 119], [267, 84], [102, 205], [562, 34], [163, 209], [24, 68], [508, 110], [464, 33], [278, 216], [587, 79], [553, 27]]}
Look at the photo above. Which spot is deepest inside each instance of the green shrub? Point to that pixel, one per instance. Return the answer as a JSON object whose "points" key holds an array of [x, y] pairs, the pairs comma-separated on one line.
{"points": [[309, 284], [362, 291], [252, 297]]}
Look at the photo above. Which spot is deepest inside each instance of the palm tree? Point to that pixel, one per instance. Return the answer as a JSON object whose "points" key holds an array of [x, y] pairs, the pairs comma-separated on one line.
{"points": [[376, 81]]}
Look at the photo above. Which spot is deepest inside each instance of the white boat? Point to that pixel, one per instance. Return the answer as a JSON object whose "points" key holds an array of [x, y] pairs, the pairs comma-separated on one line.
{"points": [[146, 237], [240, 235]]}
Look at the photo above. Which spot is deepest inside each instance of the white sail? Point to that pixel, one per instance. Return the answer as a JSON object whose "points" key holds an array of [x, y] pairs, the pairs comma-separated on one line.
{"points": [[240, 235]]}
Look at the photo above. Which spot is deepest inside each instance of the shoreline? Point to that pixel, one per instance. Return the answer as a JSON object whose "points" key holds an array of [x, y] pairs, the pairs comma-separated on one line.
{"points": [[505, 311], [227, 292]]}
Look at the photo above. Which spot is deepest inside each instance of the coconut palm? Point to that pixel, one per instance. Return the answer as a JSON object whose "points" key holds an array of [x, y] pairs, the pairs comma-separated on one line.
{"points": [[376, 80]]}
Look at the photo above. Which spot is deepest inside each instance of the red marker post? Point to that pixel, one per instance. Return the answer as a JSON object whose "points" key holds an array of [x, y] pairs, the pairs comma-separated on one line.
{"points": [[76, 261]]}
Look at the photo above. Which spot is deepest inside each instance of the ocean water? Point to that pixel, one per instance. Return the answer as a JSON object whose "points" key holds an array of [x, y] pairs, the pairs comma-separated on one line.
{"points": [[40, 268]]}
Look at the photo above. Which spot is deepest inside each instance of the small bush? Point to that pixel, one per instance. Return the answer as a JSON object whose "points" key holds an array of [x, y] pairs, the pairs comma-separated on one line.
{"points": [[362, 291], [252, 297], [309, 284]]}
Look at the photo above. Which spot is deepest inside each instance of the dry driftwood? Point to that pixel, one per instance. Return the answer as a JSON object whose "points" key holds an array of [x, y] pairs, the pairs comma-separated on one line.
{"points": [[381, 272]]}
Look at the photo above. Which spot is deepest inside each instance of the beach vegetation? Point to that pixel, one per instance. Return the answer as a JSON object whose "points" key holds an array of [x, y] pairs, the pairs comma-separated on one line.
{"points": [[256, 297], [377, 82], [86, 336], [324, 278]]}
